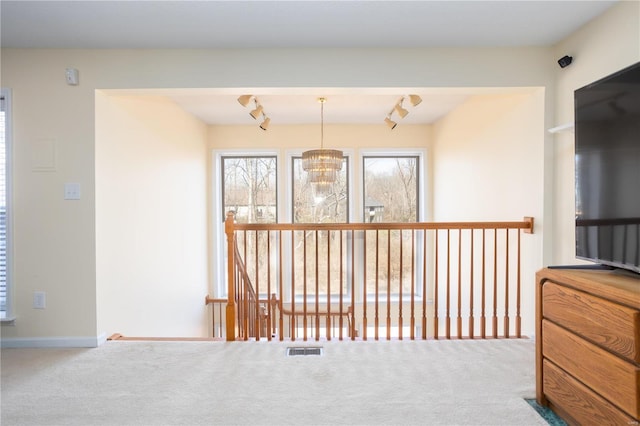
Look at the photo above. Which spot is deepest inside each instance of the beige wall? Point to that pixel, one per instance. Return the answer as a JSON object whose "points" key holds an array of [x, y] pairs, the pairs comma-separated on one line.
{"points": [[151, 218], [600, 48], [54, 246], [488, 164]]}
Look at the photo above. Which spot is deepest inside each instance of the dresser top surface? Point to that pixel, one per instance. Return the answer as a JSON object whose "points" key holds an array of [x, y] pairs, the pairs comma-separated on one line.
{"points": [[614, 285]]}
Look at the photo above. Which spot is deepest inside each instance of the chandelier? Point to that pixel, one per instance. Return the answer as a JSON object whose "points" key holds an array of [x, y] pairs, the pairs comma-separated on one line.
{"points": [[322, 165]]}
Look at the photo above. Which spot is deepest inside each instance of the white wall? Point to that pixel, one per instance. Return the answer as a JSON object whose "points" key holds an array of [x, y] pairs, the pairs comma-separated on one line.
{"points": [[55, 240], [151, 218], [600, 48], [488, 164]]}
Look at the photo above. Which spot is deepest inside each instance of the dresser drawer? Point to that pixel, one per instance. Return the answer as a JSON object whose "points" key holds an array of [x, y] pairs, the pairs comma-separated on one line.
{"points": [[608, 375], [579, 402], [608, 324]]}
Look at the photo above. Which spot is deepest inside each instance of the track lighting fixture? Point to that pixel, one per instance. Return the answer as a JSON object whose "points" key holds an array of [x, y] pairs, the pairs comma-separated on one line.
{"points": [[392, 124], [400, 110], [245, 99], [415, 100], [258, 111]]}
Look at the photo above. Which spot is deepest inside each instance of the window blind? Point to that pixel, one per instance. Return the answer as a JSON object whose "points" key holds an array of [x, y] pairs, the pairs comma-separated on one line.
{"points": [[3, 208]]}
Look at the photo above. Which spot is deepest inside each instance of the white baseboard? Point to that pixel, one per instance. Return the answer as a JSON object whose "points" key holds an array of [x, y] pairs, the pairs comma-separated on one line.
{"points": [[53, 342]]}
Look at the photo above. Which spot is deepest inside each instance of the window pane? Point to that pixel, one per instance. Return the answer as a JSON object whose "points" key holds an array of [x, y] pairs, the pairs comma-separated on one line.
{"points": [[310, 207], [390, 189], [390, 195], [322, 254], [249, 188]]}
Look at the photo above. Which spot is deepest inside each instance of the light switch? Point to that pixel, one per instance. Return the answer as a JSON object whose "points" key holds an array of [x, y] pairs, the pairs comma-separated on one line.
{"points": [[71, 191]]}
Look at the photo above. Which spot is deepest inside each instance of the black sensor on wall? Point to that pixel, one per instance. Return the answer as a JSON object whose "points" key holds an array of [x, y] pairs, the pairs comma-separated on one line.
{"points": [[565, 61]]}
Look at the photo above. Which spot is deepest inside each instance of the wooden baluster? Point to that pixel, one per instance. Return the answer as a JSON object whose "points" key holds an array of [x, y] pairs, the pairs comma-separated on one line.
{"points": [[494, 319], [448, 315], [413, 283], [436, 295], [424, 284], [280, 289], [377, 280], [459, 309], [483, 318], [364, 291], [317, 295], [471, 319], [400, 288], [328, 284], [518, 320], [293, 288], [269, 325], [257, 295], [341, 296], [353, 287], [247, 309], [304, 287], [506, 285], [388, 284]]}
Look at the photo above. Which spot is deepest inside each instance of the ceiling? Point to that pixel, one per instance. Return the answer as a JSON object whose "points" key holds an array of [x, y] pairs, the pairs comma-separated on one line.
{"points": [[296, 24]]}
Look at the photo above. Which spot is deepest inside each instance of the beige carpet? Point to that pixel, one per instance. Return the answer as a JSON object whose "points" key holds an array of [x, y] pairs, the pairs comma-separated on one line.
{"points": [[217, 383]]}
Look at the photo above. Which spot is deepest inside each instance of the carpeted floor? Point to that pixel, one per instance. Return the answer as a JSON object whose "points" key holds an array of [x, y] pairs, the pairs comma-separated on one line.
{"points": [[458, 382]]}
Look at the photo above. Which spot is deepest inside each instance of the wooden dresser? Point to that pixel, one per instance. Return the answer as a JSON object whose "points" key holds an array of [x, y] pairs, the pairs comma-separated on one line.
{"points": [[588, 345]]}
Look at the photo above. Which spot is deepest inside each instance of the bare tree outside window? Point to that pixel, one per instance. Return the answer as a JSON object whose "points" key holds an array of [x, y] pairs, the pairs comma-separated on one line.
{"points": [[390, 195], [309, 207], [326, 246], [249, 189], [390, 184]]}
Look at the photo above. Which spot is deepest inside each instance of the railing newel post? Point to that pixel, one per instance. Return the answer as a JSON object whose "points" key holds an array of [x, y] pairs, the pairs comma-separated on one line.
{"points": [[231, 325]]}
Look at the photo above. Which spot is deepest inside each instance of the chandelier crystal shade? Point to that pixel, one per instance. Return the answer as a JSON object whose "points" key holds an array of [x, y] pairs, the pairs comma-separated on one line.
{"points": [[322, 165]]}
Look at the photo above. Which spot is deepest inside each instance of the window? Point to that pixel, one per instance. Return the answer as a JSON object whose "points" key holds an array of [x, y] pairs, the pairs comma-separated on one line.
{"points": [[325, 246], [390, 189], [390, 194], [5, 145], [310, 207], [249, 188]]}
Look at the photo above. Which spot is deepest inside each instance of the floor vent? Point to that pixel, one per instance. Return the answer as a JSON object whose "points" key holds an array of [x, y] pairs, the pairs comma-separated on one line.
{"points": [[303, 351]]}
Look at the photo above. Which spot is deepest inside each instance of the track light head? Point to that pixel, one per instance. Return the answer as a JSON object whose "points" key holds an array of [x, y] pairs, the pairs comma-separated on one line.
{"points": [[565, 61], [265, 123], [256, 112], [415, 100], [245, 99], [401, 111], [392, 124]]}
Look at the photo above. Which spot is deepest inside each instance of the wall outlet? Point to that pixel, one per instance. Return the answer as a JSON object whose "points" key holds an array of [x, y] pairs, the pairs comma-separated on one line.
{"points": [[39, 300]]}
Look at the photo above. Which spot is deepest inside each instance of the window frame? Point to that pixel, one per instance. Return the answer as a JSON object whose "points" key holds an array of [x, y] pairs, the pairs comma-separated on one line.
{"points": [[421, 206], [218, 274], [255, 156], [350, 160]]}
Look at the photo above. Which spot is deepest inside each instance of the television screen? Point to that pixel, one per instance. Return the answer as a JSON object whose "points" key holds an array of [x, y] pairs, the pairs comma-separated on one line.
{"points": [[607, 161]]}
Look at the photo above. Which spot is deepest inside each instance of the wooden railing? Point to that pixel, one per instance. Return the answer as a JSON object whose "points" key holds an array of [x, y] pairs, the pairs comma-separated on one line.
{"points": [[374, 280]]}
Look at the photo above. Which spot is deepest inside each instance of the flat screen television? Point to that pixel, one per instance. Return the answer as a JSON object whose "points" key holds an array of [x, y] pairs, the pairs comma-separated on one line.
{"points": [[607, 166]]}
